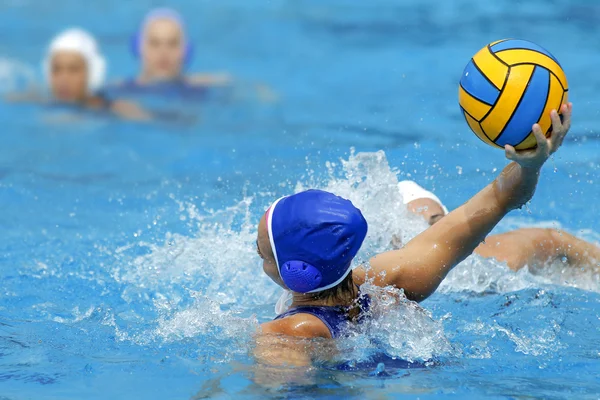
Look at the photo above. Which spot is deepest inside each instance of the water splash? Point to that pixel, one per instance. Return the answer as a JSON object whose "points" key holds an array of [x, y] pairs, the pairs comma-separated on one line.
{"points": [[372, 185], [202, 316], [532, 334], [398, 327], [204, 282], [221, 262]]}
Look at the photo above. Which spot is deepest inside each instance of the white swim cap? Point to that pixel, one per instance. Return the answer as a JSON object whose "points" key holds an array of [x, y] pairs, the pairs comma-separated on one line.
{"points": [[412, 191], [82, 42]]}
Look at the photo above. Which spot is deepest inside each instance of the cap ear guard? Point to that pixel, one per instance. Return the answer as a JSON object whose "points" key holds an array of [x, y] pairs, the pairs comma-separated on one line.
{"points": [[96, 74], [300, 277], [135, 44]]}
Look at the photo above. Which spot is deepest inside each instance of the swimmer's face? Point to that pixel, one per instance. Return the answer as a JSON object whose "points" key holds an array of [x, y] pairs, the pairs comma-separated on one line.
{"points": [[428, 209], [162, 49], [263, 246], [68, 76]]}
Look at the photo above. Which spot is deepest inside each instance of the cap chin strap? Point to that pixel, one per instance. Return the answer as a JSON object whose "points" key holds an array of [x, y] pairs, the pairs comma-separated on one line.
{"points": [[334, 284], [284, 302], [270, 231], [97, 73]]}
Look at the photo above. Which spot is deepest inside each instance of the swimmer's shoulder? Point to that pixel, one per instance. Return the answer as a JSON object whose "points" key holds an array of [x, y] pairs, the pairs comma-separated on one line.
{"points": [[298, 325]]}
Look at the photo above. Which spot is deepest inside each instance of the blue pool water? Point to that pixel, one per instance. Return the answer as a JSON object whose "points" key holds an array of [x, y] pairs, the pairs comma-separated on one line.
{"points": [[127, 254]]}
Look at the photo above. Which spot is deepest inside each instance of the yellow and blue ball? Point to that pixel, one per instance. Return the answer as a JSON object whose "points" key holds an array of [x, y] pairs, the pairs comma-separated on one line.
{"points": [[508, 86]]}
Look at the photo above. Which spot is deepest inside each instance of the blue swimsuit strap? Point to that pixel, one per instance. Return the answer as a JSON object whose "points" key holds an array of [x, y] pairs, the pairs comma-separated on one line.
{"points": [[334, 317]]}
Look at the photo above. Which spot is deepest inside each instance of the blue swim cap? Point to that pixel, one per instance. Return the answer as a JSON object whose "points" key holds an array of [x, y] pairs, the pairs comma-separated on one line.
{"points": [[314, 236], [160, 13]]}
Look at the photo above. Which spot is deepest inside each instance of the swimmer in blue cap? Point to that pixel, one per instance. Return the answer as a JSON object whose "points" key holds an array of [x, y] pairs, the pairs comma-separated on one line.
{"points": [[165, 50], [308, 240], [532, 247]]}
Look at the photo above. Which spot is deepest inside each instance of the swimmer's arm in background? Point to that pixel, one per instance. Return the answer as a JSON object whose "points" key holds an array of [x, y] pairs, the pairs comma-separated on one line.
{"points": [[133, 112], [129, 110], [216, 79], [424, 262], [536, 247], [240, 89], [31, 95]]}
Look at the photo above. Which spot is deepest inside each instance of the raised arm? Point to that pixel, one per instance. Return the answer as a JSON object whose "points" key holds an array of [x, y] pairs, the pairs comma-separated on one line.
{"points": [[424, 262]]}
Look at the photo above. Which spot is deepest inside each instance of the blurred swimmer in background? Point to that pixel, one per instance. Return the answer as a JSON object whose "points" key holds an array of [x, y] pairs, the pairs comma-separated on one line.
{"points": [[532, 247], [165, 49], [74, 72]]}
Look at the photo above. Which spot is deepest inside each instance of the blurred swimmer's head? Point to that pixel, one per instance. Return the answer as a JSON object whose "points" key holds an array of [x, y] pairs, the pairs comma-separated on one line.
{"points": [[74, 69], [163, 45], [422, 202], [308, 240]]}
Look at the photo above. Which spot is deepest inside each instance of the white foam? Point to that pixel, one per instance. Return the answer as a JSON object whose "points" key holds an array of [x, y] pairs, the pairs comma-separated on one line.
{"points": [[372, 186], [205, 316]]}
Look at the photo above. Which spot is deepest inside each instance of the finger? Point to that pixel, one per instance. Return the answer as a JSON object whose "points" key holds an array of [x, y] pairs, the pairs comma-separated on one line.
{"points": [[567, 112], [565, 119], [557, 126], [510, 152], [542, 141]]}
